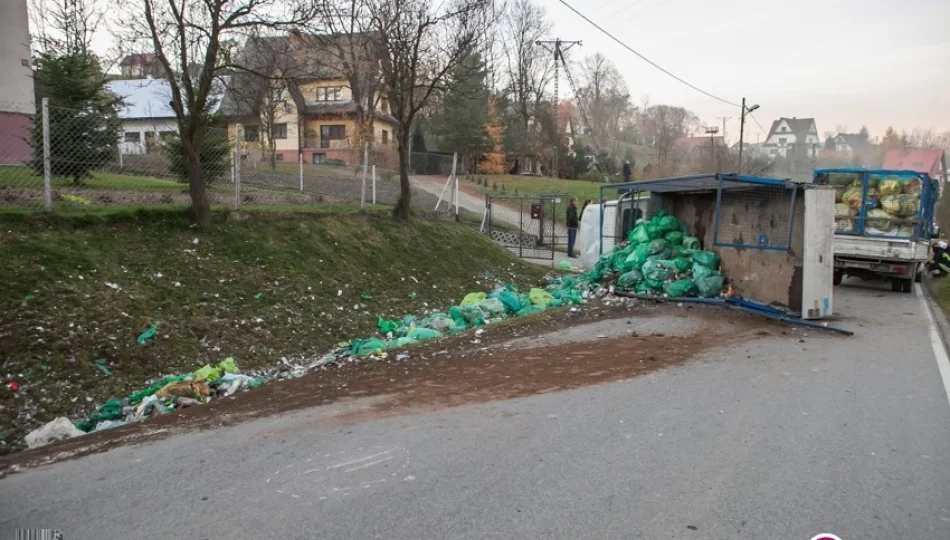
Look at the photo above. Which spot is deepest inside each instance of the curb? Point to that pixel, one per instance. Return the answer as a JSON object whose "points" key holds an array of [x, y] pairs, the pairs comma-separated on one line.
{"points": [[943, 326]]}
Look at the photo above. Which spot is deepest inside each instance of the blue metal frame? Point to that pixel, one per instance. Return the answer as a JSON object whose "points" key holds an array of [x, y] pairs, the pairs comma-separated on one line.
{"points": [[923, 228], [772, 247]]}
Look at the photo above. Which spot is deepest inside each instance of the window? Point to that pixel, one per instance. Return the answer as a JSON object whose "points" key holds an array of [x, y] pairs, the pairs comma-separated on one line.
{"points": [[278, 157], [319, 158], [331, 133], [280, 131], [385, 137], [784, 129], [251, 133], [166, 135], [782, 140], [334, 93], [133, 137]]}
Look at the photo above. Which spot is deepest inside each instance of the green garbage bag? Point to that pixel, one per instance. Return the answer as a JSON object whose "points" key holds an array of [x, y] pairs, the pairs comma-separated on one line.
{"points": [[676, 289], [669, 223], [656, 271], [639, 234], [657, 246], [472, 299], [706, 258], [208, 373], [508, 299], [680, 251], [422, 334], [456, 313], [362, 347], [401, 342], [641, 288], [228, 365], [654, 284], [473, 313], [540, 298], [492, 306], [639, 256], [628, 281], [386, 325], [569, 297], [564, 265], [654, 231], [682, 264], [700, 271], [567, 282], [710, 286], [529, 310], [684, 229], [673, 238], [110, 410], [136, 397], [692, 243], [556, 303]]}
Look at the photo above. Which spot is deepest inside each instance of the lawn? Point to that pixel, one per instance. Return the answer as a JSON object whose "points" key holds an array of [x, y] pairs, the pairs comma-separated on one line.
{"points": [[23, 177], [533, 185]]}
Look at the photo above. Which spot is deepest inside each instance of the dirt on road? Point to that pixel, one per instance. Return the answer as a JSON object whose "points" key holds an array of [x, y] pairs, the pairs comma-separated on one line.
{"points": [[503, 361]]}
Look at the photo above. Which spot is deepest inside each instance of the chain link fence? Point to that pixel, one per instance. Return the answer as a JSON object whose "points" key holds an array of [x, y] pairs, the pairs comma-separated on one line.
{"points": [[77, 160]]}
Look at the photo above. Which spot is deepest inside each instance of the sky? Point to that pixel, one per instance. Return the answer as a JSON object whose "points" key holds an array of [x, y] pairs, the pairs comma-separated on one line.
{"points": [[846, 63]]}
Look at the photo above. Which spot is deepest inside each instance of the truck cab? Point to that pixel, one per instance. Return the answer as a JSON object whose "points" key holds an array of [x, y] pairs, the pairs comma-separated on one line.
{"points": [[884, 221]]}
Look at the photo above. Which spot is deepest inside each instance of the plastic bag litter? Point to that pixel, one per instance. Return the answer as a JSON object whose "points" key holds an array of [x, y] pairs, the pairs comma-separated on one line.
{"points": [[676, 289], [682, 264], [508, 299], [564, 265], [228, 365], [700, 271], [363, 347], [639, 234], [706, 258], [401, 342], [472, 299], [136, 397], [905, 205], [668, 224], [194, 389], [654, 284], [709, 286], [692, 243], [638, 256], [208, 373], [473, 315], [540, 298], [422, 334], [680, 251], [110, 410], [880, 220], [456, 313], [656, 271], [628, 281], [912, 186], [529, 310], [673, 238], [147, 335], [386, 325], [492, 306], [657, 246], [892, 185], [440, 322]]}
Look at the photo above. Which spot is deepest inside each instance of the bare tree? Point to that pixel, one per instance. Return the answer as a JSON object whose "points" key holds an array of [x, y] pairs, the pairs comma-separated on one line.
{"points": [[189, 38], [65, 25], [662, 125], [604, 94], [421, 43], [529, 68]]}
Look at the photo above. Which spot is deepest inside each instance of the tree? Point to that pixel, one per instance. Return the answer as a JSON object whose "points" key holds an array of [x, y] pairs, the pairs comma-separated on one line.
{"points": [[663, 125], [528, 68], [604, 95], [493, 162], [830, 144], [891, 140], [463, 119], [215, 148], [865, 134], [189, 38], [421, 44]]}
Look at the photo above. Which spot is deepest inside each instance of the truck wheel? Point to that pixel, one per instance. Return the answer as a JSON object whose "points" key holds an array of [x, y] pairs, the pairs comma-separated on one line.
{"points": [[897, 285], [919, 277], [907, 285], [838, 276]]}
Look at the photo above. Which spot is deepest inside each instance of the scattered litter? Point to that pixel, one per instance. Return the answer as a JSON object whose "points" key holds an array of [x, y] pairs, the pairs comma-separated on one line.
{"points": [[13, 386], [565, 265], [113, 286], [147, 335], [59, 429], [103, 367], [412, 296], [195, 241], [258, 296], [108, 424], [178, 284], [365, 296]]}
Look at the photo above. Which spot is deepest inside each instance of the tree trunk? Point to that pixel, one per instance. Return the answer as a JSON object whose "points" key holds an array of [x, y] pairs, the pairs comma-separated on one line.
{"points": [[200, 209], [401, 211]]}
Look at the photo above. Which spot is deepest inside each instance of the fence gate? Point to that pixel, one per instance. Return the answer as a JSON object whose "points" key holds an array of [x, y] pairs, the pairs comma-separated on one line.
{"points": [[525, 225]]}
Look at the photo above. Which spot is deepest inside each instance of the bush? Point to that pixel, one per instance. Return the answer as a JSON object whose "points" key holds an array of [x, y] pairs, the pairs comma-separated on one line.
{"points": [[214, 153], [592, 176]]}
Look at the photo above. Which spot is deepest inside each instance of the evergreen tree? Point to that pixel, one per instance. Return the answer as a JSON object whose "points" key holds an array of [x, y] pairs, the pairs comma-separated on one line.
{"points": [[84, 126], [493, 162], [830, 144], [462, 127], [214, 151]]}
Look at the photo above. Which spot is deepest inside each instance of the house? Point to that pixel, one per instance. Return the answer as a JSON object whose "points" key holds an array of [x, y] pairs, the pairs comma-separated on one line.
{"points": [[854, 146], [17, 105], [141, 66], [793, 137], [930, 161], [146, 114], [306, 106]]}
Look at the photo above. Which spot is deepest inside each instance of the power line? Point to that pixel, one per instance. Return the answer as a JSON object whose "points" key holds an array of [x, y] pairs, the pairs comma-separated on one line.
{"points": [[644, 58]]}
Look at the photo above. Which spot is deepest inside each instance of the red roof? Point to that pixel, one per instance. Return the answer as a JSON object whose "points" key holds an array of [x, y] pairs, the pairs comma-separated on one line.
{"points": [[915, 159]]}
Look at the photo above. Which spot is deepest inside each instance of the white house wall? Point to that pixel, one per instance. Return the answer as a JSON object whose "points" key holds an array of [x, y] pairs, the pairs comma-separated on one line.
{"points": [[142, 127]]}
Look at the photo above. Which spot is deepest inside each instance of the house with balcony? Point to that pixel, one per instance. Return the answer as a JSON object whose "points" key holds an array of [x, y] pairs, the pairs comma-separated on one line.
{"points": [[306, 108]]}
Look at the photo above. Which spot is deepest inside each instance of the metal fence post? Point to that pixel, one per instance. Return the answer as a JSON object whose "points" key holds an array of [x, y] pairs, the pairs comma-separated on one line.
{"points": [[47, 168], [237, 168], [365, 166], [374, 184], [300, 159], [455, 158]]}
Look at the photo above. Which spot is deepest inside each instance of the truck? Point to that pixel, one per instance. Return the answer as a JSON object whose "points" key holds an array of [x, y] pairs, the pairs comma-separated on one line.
{"points": [[884, 223]]}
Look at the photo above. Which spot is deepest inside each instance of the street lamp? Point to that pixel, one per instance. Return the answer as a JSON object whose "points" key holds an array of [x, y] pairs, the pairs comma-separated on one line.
{"points": [[742, 129]]}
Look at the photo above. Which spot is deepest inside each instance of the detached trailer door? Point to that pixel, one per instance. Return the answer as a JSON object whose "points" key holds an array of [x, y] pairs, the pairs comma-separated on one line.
{"points": [[818, 261]]}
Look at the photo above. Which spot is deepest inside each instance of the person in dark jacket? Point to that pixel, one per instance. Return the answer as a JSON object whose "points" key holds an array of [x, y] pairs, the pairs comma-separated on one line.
{"points": [[571, 227], [939, 263], [627, 172]]}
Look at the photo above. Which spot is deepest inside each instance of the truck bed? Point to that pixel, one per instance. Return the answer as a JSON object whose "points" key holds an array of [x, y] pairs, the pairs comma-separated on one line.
{"points": [[881, 248]]}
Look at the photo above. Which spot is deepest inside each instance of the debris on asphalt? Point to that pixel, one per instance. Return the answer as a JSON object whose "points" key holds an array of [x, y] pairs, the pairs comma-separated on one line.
{"points": [[57, 430], [103, 367]]}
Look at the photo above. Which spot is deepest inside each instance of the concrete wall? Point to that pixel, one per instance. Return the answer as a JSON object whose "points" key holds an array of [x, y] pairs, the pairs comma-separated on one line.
{"points": [[767, 276], [16, 83]]}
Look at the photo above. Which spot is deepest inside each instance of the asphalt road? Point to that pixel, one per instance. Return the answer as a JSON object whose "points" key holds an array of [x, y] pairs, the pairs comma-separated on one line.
{"points": [[775, 438]]}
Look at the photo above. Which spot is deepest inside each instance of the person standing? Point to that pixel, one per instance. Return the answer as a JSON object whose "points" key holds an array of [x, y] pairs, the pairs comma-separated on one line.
{"points": [[627, 171], [571, 227]]}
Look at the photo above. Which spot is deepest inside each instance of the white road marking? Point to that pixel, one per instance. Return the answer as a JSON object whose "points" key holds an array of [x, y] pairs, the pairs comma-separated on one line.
{"points": [[936, 342], [370, 464], [355, 461]]}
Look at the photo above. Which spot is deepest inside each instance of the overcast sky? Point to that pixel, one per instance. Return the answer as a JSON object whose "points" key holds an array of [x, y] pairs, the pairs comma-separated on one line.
{"points": [[843, 62]]}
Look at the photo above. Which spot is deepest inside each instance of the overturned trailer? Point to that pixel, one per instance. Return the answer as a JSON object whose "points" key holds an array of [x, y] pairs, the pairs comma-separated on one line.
{"points": [[775, 237]]}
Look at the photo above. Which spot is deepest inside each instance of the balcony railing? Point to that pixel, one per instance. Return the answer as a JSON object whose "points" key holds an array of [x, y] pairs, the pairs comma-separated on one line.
{"points": [[333, 144]]}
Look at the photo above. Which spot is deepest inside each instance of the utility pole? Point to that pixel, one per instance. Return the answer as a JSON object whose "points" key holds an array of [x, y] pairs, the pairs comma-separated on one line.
{"points": [[557, 46], [724, 118], [742, 130], [712, 131]]}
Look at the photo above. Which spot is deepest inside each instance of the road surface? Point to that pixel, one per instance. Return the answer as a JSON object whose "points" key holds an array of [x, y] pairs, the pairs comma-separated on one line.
{"points": [[780, 437]]}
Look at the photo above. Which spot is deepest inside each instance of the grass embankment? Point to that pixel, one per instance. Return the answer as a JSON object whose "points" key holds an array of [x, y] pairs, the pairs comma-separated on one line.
{"points": [[940, 288], [533, 185], [23, 177], [288, 285]]}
